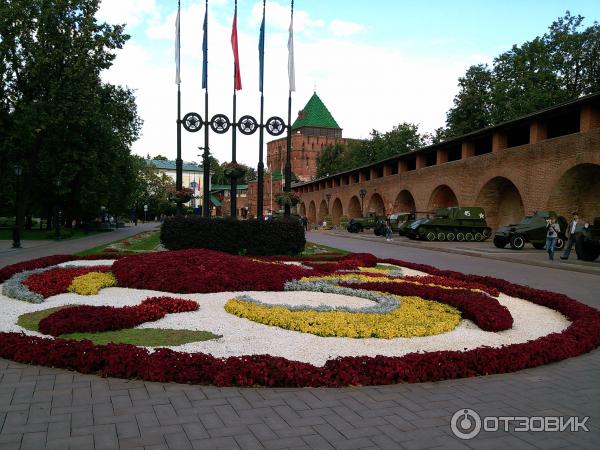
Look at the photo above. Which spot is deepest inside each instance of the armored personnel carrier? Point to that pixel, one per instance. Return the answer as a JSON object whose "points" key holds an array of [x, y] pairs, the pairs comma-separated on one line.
{"points": [[587, 242], [397, 221], [449, 224], [531, 229], [358, 224]]}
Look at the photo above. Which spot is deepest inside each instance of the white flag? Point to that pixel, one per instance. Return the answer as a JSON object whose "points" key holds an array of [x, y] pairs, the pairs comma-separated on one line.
{"points": [[177, 49], [291, 68]]}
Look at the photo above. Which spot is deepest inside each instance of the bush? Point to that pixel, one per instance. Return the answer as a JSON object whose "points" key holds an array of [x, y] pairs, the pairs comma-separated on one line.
{"points": [[245, 237]]}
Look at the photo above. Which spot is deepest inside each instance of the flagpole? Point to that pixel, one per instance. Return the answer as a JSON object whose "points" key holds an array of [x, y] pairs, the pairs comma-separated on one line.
{"points": [[178, 161], [261, 165], [233, 191], [205, 155], [288, 163]]}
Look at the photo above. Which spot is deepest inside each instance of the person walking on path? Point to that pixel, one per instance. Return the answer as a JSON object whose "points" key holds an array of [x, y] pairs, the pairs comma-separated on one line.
{"points": [[552, 230], [570, 235], [388, 231]]}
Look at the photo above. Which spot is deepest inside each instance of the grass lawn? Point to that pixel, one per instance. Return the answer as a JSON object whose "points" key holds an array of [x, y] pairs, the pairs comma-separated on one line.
{"points": [[146, 337], [149, 241], [311, 249], [41, 235]]}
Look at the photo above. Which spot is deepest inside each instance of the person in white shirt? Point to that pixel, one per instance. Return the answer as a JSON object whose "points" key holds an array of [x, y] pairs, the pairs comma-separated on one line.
{"points": [[570, 235]]}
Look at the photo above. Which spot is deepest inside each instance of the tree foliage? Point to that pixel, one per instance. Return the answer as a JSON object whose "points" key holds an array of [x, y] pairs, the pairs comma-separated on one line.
{"points": [[69, 131], [559, 66], [403, 138]]}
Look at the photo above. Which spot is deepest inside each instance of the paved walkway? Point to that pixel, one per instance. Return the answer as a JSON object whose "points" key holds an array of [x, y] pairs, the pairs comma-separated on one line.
{"points": [[50, 408], [37, 249]]}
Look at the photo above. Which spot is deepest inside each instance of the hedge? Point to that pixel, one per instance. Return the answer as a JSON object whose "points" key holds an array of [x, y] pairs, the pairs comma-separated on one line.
{"points": [[238, 237]]}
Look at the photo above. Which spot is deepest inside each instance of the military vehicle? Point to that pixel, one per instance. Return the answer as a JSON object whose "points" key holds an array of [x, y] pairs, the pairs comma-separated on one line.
{"points": [[449, 224], [587, 242], [531, 229], [358, 224], [397, 220]]}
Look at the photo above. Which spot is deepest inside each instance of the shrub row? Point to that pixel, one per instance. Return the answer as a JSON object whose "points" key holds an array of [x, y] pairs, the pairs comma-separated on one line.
{"points": [[245, 237]]}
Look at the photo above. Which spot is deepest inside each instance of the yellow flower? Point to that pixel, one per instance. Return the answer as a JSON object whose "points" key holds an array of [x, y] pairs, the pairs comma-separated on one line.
{"points": [[91, 283], [414, 317]]}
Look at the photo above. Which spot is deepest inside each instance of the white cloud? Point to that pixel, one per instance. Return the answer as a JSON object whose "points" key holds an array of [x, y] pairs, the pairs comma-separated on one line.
{"points": [[341, 28], [364, 86], [131, 12], [277, 17]]}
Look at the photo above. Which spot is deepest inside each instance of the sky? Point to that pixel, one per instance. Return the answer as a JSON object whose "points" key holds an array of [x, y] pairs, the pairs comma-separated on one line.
{"points": [[374, 63]]}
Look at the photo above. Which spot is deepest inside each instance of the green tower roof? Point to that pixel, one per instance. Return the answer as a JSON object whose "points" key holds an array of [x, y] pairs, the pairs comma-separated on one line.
{"points": [[315, 114]]}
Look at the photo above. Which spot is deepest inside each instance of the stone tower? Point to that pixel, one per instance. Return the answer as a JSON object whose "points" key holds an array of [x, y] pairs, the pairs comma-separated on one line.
{"points": [[314, 129]]}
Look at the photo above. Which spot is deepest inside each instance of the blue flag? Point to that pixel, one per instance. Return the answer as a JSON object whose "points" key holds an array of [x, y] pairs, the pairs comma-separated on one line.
{"points": [[205, 51], [261, 54]]}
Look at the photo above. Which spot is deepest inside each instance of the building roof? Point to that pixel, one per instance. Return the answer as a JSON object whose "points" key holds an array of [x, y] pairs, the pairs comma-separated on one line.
{"points": [[171, 165], [315, 114]]}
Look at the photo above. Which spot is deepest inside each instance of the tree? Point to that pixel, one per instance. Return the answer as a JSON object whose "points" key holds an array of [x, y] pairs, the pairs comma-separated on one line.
{"points": [[559, 66], [70, 131]]}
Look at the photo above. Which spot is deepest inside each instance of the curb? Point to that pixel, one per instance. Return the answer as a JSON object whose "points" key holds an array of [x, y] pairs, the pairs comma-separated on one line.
{"points": [[559, 266]]}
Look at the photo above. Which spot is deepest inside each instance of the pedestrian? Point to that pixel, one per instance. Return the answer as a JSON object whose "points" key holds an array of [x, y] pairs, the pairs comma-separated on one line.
{"points": [[388, 231], [305, 223], [570, 235], [552, 230]]}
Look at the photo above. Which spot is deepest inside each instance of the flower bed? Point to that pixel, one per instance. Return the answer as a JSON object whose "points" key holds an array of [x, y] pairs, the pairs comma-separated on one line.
{"points": [[57, 281], [46, 261], [216, 273], [485, 311], [91, 283], [107, 318], [202, 270], [414, 317]]}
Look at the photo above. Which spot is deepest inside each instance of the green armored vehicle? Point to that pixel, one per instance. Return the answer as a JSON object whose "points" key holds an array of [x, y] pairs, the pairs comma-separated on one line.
{"points": [[397, 221], [531, 229], [587, 243], [358, 224], [449, 224]]}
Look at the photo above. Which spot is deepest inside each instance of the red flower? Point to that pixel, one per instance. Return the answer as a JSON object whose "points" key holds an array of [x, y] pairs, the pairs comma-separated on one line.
{"points": [[39, 263], [56, 281]]}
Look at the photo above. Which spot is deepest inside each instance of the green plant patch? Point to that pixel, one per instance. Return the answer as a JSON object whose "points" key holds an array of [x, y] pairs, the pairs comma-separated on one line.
{"points": [[146, 337], [148, 243], [311, 249]]}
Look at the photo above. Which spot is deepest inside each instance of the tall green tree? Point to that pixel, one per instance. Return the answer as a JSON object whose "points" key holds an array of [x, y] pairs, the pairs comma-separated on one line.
{"points": [[70, 131], [561, 65]]}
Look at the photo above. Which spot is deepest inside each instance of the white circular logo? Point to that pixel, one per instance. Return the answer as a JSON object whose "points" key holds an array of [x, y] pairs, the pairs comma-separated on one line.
{"points": [[465, 424]]}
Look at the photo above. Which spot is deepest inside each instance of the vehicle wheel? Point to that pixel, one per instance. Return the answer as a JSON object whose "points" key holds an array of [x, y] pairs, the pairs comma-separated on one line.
{"points": [[450, 236], [586, 250], [517, 242], [430, 236], [441, 236], [560, 243], [478, 237], [354, 228], [469, 236], [487, 232], [376, 231], [460, 237], [499, 241], [538, 245]]}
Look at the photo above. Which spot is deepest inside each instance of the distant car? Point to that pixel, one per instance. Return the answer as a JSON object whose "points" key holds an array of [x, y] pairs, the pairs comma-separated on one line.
{"points": [[587, 243], [397, 223], [359, 224], [453, 223], [530, 229]]}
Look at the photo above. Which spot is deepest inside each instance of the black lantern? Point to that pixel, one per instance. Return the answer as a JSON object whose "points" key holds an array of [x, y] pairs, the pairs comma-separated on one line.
{"points": [[362, 193], [17, 227]]}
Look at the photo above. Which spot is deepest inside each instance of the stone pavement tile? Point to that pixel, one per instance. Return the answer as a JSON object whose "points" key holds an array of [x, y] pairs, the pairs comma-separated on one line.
{"points": [[142, 441], [329, 433], [338, 423], [400, 422], [180, 401], [317, 442], [33, 441], [120, 402], [248, 442], [82, 419], [59, 430], [82, 396], [195, 431], [350, 444], [10, 438], [15, 419], [178, 441], [127, 429], [316, 412], [262, 432], [102, 410], [225, 443], [227, 431], [499, 442], [83, 442], [147, 420], [138, 393], [211, 421], [283, 443], [157, 447], [106, 440], [296, 403], [385, 443]]}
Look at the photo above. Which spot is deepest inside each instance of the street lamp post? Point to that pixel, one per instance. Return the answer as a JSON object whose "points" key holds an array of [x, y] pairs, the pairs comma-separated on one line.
{"points": [[362, 193], [17, 227], [57, 216]]}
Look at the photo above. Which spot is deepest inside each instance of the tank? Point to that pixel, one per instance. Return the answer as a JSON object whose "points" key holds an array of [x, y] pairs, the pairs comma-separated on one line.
{"points": [[530, 229], [358, 224], [587, 241], [449, 224]]}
